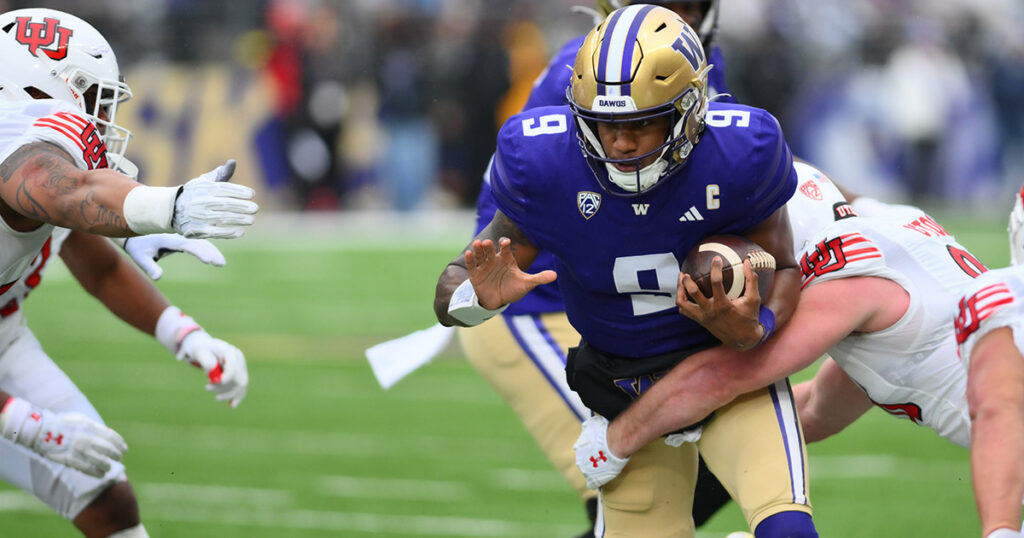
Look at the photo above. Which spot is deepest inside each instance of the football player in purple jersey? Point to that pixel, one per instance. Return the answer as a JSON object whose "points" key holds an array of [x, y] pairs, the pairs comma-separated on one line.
{"points": [[617, 188], [522, 352]]}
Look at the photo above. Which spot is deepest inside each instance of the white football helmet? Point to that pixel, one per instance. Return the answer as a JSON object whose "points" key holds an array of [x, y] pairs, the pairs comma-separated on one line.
{"points": [[640, 63], [815, 204], [44, 48]]}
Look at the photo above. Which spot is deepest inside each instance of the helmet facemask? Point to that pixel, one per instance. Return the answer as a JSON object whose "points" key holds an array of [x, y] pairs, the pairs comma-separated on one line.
{"points": [[99, 99], [663, 72]]}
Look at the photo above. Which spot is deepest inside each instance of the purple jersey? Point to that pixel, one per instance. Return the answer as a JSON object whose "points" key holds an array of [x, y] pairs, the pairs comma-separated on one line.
{"points": [[618, 257], [549, 90]]}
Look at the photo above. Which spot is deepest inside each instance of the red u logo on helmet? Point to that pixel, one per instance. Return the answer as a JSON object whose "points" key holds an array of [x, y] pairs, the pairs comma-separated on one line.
{"points": [[47, 36]]}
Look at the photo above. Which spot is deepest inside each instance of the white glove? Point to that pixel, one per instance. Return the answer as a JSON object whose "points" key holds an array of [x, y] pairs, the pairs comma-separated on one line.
{"points": [[71, 439], [690, 435], [597, 463], [223, 363], [209, 206], [145, 250], [1016, 231], [1004, 533]]}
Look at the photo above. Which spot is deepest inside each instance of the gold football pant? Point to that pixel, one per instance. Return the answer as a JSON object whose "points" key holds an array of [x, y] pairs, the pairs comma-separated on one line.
{"points": [[523, 357], [753, 445]]}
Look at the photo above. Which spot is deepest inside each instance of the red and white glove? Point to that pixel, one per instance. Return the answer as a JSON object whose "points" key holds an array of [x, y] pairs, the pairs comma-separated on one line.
{"points": [[70, 439], [597, 463], [223, 363], [146, 250]]}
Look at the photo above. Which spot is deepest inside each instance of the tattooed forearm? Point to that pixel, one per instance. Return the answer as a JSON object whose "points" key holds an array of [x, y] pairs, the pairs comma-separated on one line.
{"points": [[41, 183], [26, 204], [57, 179], [27, 152], [95, 214], [39, 159], [11, 165]]}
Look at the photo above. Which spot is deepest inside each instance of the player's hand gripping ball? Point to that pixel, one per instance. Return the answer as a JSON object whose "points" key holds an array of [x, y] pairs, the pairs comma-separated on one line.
{"points": [[733, 249]]}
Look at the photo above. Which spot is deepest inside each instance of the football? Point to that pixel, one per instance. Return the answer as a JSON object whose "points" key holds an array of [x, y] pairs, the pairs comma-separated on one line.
{"points": [[733, 249]]}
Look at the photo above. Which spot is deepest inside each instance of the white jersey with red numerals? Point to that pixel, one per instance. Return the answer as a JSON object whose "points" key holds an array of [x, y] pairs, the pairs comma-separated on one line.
{"points": [[910, 369], [993, 301], [23, 253]]}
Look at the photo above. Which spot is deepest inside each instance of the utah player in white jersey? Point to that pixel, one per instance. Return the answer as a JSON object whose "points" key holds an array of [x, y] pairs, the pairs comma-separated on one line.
{"points": [[55, 171], [878, 295], [101, 505], [990, 332]]}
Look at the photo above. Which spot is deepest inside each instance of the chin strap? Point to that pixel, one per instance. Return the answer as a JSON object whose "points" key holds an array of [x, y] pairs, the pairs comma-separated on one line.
{"points": [[640, 180]]}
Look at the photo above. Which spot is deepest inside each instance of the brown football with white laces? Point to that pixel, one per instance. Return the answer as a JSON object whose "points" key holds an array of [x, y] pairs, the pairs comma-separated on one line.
{"points": [[733, 249]]}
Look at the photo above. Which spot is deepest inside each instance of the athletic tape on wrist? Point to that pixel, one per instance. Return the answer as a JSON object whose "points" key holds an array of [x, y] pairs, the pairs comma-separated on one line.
{"points": [[766, 318], [173, 326], [20, 421], [149, 210], [1003, 533], [465, 307]]}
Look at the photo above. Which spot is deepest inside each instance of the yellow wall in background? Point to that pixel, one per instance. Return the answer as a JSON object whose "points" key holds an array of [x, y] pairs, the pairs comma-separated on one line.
{"points": [[222, 113]]}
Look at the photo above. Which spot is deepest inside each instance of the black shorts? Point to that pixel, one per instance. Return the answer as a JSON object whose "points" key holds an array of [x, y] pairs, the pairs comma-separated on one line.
{"points": [[608, 383]]}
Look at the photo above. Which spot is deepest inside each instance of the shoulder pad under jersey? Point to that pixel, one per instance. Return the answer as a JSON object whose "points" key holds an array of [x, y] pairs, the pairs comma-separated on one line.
{"points": [[992, 301], [841, 250], [63, 125]]}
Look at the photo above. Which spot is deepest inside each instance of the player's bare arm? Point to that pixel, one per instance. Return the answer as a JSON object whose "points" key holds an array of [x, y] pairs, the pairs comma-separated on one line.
{"points": [[736, 322], [40, 183], [827, 313], [816, 400], [775, 237], [110, 277], [995, 396], [496, 274]]}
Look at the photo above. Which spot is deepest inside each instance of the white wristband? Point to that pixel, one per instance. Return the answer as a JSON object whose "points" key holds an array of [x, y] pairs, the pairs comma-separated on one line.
{"points": [[149, 210], [1003, 533], [19, 421], [173, 326], [465, 307]]}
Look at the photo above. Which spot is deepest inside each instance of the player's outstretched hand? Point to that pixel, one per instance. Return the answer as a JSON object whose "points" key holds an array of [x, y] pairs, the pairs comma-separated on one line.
{"points": [[70, 439], [211, 207], [593, 457], [223, 363], [146, 250], [496, 276], [734, 321]]}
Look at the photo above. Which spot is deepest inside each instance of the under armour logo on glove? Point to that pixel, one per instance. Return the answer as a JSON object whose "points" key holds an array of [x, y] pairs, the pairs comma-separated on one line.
{"points": [[593, 457]]}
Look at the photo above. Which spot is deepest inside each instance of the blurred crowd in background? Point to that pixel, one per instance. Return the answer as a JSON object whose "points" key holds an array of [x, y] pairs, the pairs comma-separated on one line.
{"points": [[394, 104]]}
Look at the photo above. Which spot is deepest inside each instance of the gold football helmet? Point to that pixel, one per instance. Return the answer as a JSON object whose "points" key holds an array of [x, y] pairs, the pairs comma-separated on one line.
{"points": [[708, 26], [641, 62]]}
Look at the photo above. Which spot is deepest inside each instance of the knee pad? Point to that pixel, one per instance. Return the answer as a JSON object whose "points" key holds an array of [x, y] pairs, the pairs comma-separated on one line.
{"points": [[787, 525]]}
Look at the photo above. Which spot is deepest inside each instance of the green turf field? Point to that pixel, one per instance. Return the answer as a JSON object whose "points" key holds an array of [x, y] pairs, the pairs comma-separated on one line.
{"points": [[318, 449]]}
